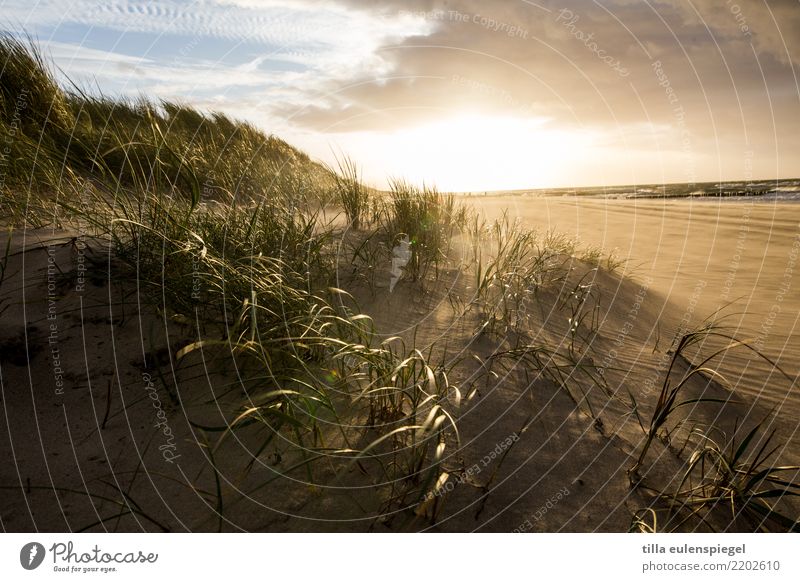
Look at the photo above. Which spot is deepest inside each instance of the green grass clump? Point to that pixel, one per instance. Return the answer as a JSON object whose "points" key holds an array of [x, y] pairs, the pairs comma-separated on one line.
{"points": [[728, 486], [669, 398], [141, 140], [428, 218], [29, 96], [216, 224], [57, 135], [350, 192], [724, 484], [739, 479]]}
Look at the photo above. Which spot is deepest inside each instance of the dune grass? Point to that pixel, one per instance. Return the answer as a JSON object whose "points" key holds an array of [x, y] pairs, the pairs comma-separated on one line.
{"points": [[351, 193], [223, 227], [219, 223], [725, 482], [58, 135], [739, 480], [728, 484], [429, 219]]}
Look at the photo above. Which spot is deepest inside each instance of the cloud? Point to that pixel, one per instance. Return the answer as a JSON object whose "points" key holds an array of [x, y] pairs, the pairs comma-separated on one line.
{"points": [[694, 85], [707, 82], [318, 35], [569, 58], [772, 26], [295, 47]]}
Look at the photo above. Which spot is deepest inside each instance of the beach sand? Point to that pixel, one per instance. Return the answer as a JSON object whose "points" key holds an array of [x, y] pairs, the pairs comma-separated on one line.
{"points": [[532, 456], [701, 257]]}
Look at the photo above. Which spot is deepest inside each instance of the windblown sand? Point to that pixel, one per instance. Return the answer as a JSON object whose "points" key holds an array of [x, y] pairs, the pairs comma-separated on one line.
{"points": [[531, 456], [741, 259]]}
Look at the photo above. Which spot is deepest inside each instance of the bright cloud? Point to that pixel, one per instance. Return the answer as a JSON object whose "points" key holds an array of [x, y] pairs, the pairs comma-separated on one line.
{"points": [[455, 92]]}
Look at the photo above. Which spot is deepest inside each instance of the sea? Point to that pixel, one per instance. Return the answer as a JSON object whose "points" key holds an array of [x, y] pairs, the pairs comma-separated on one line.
{"points": [[784, 190]]}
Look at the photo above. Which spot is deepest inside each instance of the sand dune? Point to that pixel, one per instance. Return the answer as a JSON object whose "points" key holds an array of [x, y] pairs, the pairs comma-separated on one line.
{"points": [[532, 456], [702, 257]]}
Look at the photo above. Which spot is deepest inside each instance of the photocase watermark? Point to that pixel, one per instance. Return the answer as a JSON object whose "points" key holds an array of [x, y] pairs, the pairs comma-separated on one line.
{"points": [[683, 325], [208, 188], [499, 449], [510, 30], [487, 22], [568, 19], [52, 320], [80, 264], [742, 235], [680, 120], [65, 558], [79, 245], [551, 502], [738, 250], [185, 51], [52, 274], [196, 280], [31, 555], [168, 448]]}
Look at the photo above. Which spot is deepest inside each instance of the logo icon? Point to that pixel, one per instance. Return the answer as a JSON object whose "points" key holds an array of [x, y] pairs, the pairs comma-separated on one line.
{"points": [[31, 555]]}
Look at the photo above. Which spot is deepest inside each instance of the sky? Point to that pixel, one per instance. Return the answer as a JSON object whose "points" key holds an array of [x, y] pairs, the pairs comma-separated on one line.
{"points": [[466, 95]]}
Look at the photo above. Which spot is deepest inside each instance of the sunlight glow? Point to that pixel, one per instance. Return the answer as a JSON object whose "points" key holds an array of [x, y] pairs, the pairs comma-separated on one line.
{"points": [[470, 152]]}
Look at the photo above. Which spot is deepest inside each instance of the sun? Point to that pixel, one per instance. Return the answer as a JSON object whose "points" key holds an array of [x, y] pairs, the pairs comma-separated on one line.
{"points": [[471, 152]]}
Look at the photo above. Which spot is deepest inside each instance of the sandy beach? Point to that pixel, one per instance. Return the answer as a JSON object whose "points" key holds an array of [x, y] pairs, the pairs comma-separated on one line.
{"points": [[400, 267], [532, 456], [701, 257], [202, 328]]}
